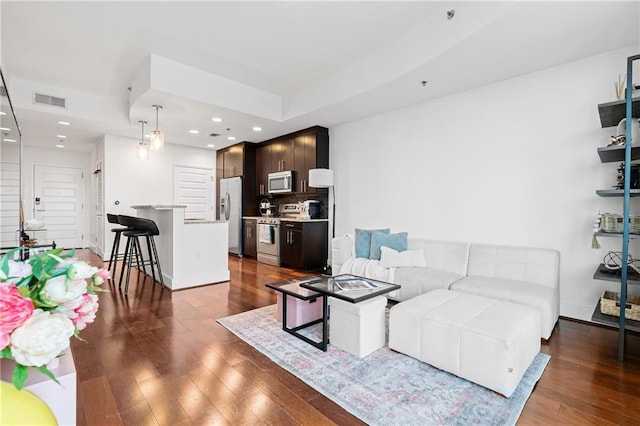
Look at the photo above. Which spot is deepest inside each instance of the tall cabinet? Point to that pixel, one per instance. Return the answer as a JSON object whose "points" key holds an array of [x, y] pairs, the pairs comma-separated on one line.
{"points": [[610, 115]]}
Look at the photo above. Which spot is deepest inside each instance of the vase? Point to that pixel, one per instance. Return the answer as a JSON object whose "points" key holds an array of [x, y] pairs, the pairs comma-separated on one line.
{"points": [[23, 407], [53, 364]]}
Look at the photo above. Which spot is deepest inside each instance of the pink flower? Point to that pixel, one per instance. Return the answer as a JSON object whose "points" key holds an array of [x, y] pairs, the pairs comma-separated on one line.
{"points": [[14, 311], [81, 311], [101, 276]]}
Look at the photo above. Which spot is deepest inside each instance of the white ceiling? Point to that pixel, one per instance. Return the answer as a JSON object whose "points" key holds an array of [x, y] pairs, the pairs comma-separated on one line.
{"points": [[325, 62]]}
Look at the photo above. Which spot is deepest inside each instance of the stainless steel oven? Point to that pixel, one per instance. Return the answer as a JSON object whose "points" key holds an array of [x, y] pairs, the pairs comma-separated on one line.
{"points": [[268, 231]]}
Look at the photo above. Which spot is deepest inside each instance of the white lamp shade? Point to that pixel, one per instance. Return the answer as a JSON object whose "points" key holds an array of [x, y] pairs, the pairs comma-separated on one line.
{"points": [[157, 141], [320, 178]]}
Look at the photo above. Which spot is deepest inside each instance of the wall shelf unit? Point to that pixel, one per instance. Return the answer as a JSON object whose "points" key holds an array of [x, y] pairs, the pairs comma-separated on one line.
{"points": [[611, 113]]}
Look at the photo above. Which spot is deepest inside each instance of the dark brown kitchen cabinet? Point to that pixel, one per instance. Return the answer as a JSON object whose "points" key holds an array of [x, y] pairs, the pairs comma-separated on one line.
{"points": [[250, 240], [305, 150], [282, 155], [263, 168], [233, 161], [303, 245]]}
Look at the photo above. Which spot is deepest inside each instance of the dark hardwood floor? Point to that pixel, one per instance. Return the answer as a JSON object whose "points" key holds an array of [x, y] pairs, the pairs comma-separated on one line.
{"points": [[157, 357]]}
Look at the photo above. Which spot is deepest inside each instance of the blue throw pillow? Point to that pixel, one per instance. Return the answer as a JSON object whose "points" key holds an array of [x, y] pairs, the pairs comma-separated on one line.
{"points": [[363, 241], [398, 242]]}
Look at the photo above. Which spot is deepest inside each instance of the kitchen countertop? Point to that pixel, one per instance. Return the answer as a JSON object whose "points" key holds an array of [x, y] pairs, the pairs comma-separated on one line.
{"points": [[285, 219], [160, 206], [193, 221]]}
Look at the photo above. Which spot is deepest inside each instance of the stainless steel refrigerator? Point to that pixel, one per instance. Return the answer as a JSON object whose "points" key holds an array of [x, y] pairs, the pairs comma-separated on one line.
{"points": [[231, 211]]}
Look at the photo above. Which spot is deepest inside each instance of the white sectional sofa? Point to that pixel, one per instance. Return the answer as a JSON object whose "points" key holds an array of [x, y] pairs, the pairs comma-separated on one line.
{"points": [[521, 275]]}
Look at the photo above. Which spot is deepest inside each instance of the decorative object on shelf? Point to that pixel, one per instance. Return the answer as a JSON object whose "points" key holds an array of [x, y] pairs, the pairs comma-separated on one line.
{"points": [[635, 177], [613, 261], [619, 86], [44, 301], [596, 227], [143, 147], [157, 137], [33, 224], [610, 305], [621, 131]]}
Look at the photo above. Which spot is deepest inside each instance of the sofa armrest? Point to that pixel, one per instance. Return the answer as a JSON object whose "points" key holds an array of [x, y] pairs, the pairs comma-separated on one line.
{"points": [[341, 250]]}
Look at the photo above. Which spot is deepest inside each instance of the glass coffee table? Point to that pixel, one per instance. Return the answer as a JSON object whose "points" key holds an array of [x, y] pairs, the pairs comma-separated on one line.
{"points": [[347, 287]]}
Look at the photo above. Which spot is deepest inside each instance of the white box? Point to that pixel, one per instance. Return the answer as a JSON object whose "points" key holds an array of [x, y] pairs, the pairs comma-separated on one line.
{"points": [[300, 311], [358, 328]]}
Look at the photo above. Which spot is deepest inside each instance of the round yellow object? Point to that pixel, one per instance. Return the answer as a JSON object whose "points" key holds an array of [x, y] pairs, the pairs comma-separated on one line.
{"points": [[23, 407]]}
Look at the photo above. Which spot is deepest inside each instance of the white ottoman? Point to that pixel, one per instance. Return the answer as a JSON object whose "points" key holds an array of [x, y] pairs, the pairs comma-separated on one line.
{"points": [[358, 328], [485, 341]]}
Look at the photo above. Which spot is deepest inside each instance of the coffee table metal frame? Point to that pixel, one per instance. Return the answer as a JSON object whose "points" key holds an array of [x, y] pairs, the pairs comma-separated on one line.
{"points": [[285, 287]]}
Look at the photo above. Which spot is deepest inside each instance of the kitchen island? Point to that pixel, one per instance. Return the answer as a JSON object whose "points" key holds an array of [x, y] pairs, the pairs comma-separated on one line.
{"points": [[192, 252]]}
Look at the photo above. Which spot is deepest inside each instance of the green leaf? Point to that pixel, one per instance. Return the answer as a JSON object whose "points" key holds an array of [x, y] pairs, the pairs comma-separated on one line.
{"points": [[49, 374], [4, 262], [20, 374], [6, 353]]}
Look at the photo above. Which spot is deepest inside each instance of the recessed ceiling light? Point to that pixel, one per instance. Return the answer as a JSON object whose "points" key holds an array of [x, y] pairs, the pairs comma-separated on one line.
{"points": [[194, 132], [9, 140], [6, 129], [61, 136], [3, 113], [257, 129], [210, 145], [216, 120], [64, 123], [231, 138], [59, 145]]}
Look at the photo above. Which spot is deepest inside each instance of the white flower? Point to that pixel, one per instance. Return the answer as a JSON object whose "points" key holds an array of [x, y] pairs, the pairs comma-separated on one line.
{"points": [[17, 270], [41, 338], [60, 290], [81, 271]]}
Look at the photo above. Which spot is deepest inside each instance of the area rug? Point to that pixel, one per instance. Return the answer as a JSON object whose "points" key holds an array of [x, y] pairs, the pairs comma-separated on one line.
{"points": [[386, 387]]}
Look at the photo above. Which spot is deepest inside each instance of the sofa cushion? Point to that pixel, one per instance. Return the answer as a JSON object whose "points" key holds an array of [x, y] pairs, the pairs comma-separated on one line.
{"points": [[363, 241], [535, 265], [537, 296], [417, 281], [390, 258], [395, 241]]}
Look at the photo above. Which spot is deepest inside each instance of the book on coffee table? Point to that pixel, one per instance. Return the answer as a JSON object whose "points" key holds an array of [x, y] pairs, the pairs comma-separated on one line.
{"points": [[346, 284]]}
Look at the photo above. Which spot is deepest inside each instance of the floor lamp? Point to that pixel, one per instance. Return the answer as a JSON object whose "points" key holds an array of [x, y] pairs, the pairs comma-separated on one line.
{"points": [[323, 178]]}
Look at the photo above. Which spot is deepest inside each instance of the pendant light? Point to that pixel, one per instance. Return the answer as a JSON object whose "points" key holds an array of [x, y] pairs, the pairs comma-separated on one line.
{"points": [[143, 147], [157, 137]]}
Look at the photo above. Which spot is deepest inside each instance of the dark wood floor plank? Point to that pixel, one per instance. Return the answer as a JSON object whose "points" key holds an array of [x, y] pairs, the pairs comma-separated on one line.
{"points": [[160, 357]]}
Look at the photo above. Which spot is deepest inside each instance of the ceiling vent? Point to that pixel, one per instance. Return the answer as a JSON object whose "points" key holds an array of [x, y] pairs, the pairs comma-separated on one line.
{"points": [[39, 98]]}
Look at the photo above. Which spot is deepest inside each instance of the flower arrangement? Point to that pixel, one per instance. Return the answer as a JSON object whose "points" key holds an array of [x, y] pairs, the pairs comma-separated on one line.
{"points": [[44, 301]]}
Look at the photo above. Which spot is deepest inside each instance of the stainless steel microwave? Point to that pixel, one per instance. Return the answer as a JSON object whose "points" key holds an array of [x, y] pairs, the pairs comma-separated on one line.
{"points": [[280, 182]]}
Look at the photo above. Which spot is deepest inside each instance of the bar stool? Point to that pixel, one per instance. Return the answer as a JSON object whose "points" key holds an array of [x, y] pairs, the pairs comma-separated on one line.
{"points": [[132, 248], [115, 248], [152, 230]]}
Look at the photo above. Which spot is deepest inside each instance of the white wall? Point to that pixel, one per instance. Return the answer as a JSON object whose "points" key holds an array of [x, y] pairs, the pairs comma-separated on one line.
{"points": [[130, 181], [33, 156], [511, 163]]}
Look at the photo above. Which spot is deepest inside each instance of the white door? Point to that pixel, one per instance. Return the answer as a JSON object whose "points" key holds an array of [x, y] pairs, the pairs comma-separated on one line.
{"points": [[59, 202], [9, 203], [193, 187]]}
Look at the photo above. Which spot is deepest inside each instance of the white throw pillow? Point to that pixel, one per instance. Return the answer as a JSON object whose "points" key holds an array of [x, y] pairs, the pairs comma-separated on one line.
{"points": [[390, 258]]}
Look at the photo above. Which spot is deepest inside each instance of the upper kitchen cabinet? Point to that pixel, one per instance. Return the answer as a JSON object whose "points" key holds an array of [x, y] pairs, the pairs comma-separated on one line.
{"points": [[282, 155], [311, 150], [263, 168]]}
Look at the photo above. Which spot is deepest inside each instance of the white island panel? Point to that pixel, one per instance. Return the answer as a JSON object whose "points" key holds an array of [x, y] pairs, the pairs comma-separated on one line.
{"points": [[192, 252]]}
